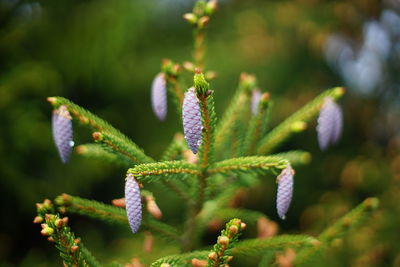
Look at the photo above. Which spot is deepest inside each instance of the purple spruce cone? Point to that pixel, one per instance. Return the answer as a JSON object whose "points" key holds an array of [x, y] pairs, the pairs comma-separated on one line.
{"points": [[62, 132], [330, 123], [159, 96], [255, 100], [133, 203], [285, 191], [191, 116]]}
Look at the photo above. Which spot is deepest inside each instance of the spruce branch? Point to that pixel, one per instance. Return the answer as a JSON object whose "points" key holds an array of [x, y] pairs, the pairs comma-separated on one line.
{"points": [[72, 250], [351, 220], [257, 125], [111, 214], [113, 137], [98, 151], [174, 152], [85, 117], [91, 208], [208, 117], [56, 229], [181, 260], [236, 111], [250, 216], [127, 149], [291, 124], [175, 148], [257, 164], [257, 247], [172, 74], [199, 18], [295, 157], [169, 169], [209, 122], [222, 250]]}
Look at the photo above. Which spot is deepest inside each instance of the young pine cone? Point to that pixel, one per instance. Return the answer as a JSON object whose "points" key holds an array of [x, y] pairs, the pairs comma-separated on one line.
{"points": [[285, 191], [159, 96], [330, 123], [133, 202], [62, 132], [191, 115]]}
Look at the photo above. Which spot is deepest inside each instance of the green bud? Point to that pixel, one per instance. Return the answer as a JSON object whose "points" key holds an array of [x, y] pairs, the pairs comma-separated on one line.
{"points": [[338, 92], [199, 8], [211, 7], [223, 240], [299, 126], [248, 81], [200, 82], [46, 231], [191, 18], [203, 22]]}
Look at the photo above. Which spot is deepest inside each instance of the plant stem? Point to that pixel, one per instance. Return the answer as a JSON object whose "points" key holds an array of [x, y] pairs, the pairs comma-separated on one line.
{"points": [[199, 47]]}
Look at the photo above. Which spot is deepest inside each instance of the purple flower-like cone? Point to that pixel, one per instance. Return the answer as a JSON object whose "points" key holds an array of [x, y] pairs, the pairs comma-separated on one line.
{"points": [[191, 115], [330, 123], [62, 132], [159, 96], [285, 191], [255, 100], [133, 203]]}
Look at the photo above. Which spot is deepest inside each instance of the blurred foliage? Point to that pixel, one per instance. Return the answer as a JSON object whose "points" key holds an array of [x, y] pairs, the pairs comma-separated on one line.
{"points": [[103, 55]]}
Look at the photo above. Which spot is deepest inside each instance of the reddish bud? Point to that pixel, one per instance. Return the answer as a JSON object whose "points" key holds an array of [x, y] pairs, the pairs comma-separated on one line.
{"points": [[191, 18], [198, 263], [119, 202], [38, 219], [203, 22], [213, 256], [223, 240]]}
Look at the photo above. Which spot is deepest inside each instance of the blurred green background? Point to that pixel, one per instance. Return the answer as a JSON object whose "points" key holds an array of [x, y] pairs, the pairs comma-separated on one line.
{"points": [[103, 56]]}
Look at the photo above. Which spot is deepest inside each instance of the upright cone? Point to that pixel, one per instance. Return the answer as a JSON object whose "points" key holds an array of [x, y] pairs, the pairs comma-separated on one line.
{"points": [[191, 116]]}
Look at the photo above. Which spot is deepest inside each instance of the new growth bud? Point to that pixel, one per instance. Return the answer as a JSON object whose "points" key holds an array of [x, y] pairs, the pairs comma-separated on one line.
{"points": [[191, 18], [211, 7], [198, 263], [223, 240], [285, 191], [133, 203], [191, 116], [299, 126], [47, 231], [62, 132], [38, 219], [153, 208], [200, 82], [159, 96], [203, 22]]}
